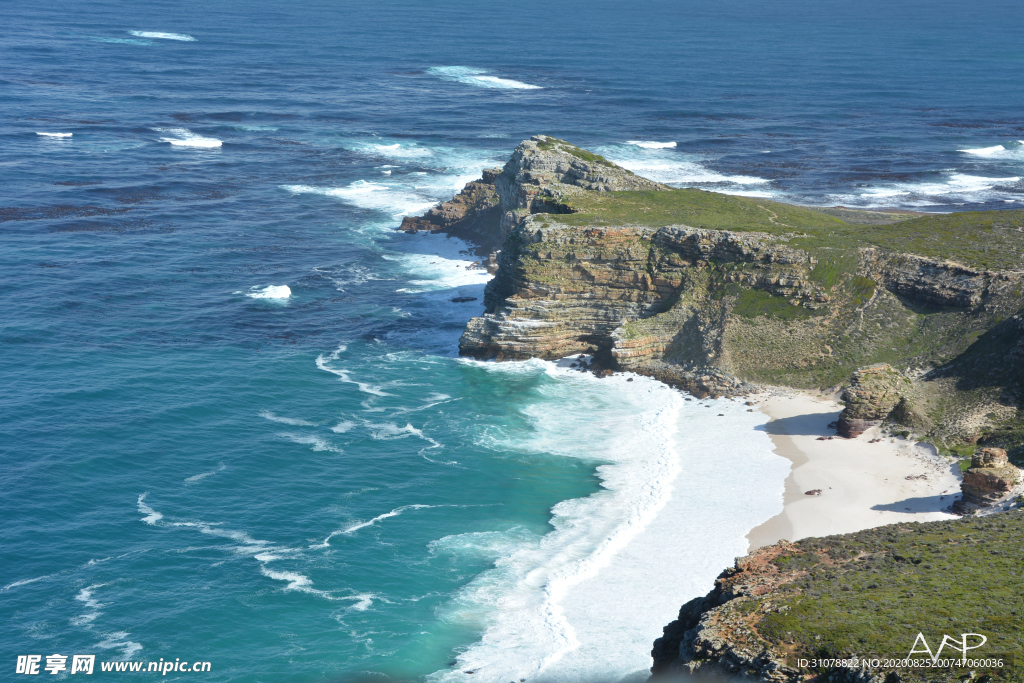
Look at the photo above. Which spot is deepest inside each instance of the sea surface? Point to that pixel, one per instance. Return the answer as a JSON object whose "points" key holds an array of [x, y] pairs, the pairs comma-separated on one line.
{"points": [[234, 427]]}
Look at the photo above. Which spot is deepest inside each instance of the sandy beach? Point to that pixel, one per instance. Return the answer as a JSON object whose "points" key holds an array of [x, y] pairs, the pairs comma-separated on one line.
{"points": [[862, 484]]}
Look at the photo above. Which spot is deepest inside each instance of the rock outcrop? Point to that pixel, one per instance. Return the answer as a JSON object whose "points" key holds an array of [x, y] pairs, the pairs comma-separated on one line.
{"points": [[543, 172], [712, 636], [474, 214], [821, 609], [873, 393], [988, 481], [540, 175]]}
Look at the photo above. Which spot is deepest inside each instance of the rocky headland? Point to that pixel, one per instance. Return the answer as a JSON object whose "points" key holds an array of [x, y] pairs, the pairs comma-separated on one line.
{"points": [[918, 320], [919, 316]]}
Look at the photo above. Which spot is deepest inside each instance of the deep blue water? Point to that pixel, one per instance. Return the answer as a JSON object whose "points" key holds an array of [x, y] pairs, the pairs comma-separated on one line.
{"points": [[314, 488]]}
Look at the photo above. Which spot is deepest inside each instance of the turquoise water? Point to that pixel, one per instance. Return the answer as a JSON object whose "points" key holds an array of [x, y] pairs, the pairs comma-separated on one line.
{"points": [[306, 484]]}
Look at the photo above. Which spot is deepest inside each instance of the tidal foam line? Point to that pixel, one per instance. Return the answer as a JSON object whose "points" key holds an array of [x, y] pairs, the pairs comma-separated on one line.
{"points": [[394, 513], [323, 363], [294, 421], [199, 477]]}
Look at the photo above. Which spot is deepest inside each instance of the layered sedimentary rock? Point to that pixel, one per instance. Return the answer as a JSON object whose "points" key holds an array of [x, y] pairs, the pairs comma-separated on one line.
{"points": [[873, 393], [630, 293], [710, 636], [988, 481]]}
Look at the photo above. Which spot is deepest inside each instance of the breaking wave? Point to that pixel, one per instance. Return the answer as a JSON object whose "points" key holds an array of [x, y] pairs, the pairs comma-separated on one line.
{"points": [[479, 77], [163, 36]]}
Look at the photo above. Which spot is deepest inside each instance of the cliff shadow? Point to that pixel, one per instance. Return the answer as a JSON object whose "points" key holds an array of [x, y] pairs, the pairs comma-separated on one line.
{"points": [[993, 360], [812, 424], [935, 503]]}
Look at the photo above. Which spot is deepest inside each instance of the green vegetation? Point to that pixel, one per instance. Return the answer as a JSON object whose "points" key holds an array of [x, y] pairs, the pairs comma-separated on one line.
{"points": [[869, 594], [980, 239], [572, 149], [754, 302], [862, 289], [832, 266], [695, 208]]}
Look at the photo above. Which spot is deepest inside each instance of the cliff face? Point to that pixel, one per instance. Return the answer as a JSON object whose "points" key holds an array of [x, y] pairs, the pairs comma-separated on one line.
{"points": [[714, 310], [716, 294]]}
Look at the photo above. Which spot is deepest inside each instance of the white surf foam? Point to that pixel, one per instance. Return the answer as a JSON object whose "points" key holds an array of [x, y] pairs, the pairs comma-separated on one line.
{"points": [[397, 150], [433, 272], [121, 41], [55, 135], [85, 596], [119, 641], [1010, 152], [394, 513], [278, 292], [397, 202], [650, 144], [303, 584], [955, 186], [363, 601], [584, 601], [214, 529], [160, 35], [152, 516], [410, 193], [24, 582], [668, 166], [985, 151], [186, 138], [479, 77]]}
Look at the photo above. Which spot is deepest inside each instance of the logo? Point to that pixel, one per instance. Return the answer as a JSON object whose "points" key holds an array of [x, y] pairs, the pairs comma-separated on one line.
{"points": [[960, 645]]}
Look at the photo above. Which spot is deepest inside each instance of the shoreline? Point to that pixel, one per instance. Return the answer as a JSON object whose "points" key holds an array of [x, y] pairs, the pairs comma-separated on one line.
{"points": [[863, 485]]}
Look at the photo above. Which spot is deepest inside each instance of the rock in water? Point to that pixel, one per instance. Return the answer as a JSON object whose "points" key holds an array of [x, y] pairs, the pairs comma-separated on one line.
{"points": [[874, 392]]}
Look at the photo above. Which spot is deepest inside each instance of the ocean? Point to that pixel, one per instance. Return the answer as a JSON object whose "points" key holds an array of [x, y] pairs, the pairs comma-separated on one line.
{"points": [[235, 428]]}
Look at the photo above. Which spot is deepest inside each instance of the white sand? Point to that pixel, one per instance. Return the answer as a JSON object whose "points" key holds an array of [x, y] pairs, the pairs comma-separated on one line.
{"points": [[863, 485]]}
